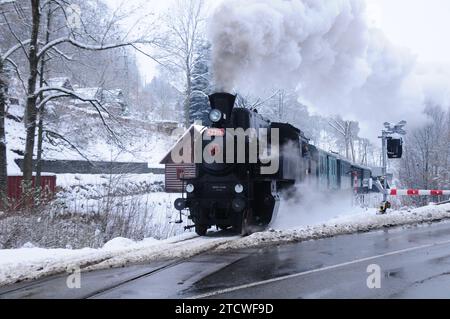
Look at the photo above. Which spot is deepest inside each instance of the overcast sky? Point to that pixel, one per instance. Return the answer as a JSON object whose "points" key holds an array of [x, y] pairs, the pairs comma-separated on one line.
{"points": [[420, 25]]}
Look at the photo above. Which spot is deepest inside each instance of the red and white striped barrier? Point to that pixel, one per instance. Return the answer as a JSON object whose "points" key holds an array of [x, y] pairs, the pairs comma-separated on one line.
{"points": [[418, 192]]}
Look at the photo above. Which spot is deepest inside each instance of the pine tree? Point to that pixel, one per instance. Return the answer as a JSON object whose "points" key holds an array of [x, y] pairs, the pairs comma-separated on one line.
{"points": [[201, 87]]}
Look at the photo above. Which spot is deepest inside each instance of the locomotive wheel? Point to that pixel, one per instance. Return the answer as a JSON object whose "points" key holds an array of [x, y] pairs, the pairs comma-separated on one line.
{"points": [[201, 230]]}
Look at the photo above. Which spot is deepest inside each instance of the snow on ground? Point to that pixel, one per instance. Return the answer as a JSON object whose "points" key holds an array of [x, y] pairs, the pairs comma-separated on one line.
{"points": [[30, 263], [72, 180], [361, 221], [139, 200]]}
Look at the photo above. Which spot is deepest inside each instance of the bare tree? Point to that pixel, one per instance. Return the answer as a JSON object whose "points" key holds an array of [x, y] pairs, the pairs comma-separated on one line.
{"points": [[347, 130], [41, 110], [36, 51], [249, 101], [184, 37], [3, 159], [4, 59], [426, 160], [163, 98]]}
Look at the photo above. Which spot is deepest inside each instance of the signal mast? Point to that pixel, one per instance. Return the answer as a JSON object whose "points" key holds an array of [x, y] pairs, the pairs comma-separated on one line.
{"points": [[391, 148]]}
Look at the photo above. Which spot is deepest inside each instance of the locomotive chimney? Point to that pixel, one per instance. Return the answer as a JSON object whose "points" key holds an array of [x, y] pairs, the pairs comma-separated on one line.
{"points": [[224, 102]]}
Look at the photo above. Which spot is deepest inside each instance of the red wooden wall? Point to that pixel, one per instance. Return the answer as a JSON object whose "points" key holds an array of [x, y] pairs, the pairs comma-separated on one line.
{"points": [[48, 184]]}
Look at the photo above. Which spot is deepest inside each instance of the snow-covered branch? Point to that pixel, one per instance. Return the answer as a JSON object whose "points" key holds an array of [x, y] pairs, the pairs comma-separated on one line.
{"points": [[2, 2], [146, 54], [259, 103], [86, 46], [16, 69], [52, 134], [337, 127], [62, 54], [50, 98], [53, 88], [14, 49], [198, 92], [94, 102]]}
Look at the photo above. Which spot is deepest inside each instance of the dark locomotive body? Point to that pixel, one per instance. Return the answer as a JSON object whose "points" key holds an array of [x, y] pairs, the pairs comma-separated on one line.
{"points": [[238, 194]]}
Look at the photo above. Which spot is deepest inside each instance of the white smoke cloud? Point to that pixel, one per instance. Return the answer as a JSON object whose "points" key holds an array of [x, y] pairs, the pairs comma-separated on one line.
{"points": [[315, 207], [327, 51]]}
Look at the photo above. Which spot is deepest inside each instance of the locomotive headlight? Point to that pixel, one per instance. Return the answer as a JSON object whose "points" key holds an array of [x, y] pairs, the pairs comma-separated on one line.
{"points": [[190, 188], [215, 115], [238, 188]]}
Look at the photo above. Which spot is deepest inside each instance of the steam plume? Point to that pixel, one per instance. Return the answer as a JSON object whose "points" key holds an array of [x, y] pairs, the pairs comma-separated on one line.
{"points": [[324, 49]]}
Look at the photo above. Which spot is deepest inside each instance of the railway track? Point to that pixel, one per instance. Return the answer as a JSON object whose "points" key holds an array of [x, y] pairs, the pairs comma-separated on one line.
{"points": [[150, 273], [101, 280], [34, 289]]}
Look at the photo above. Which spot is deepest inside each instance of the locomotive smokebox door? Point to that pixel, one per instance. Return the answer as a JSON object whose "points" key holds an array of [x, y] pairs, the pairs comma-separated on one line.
{"points": [[395, 147], [224, 102]]}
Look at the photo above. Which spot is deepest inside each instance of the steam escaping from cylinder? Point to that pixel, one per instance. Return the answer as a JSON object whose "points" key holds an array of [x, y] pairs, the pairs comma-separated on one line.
{"points": [[323, 49]]}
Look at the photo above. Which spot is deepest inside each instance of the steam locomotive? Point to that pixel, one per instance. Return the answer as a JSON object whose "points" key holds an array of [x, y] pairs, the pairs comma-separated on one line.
{"points": [[240, 177]]}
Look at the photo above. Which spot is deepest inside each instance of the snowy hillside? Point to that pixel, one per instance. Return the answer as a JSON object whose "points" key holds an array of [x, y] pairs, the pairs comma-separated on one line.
{"points": [[92, 209], [135, 142]]}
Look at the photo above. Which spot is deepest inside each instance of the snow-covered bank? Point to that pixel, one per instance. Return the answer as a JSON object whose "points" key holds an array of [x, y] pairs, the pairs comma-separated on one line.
{"points": [[72, 180], [348, 224], [77, 221], [30, 263]]}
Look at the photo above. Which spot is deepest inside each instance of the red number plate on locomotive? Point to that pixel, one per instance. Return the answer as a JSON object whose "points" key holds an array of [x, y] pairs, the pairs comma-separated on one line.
{"points": [[215, 132]]}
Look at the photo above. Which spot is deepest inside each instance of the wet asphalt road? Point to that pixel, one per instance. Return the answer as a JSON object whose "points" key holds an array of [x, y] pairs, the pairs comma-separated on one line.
{"points": [[414, 262]]}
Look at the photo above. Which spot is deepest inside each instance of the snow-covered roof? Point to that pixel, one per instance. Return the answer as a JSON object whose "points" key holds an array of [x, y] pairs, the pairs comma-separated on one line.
{"points": [[88, 93], [63, 82], [198, 129], [165, 122], [112, 96], [103, 95]]}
